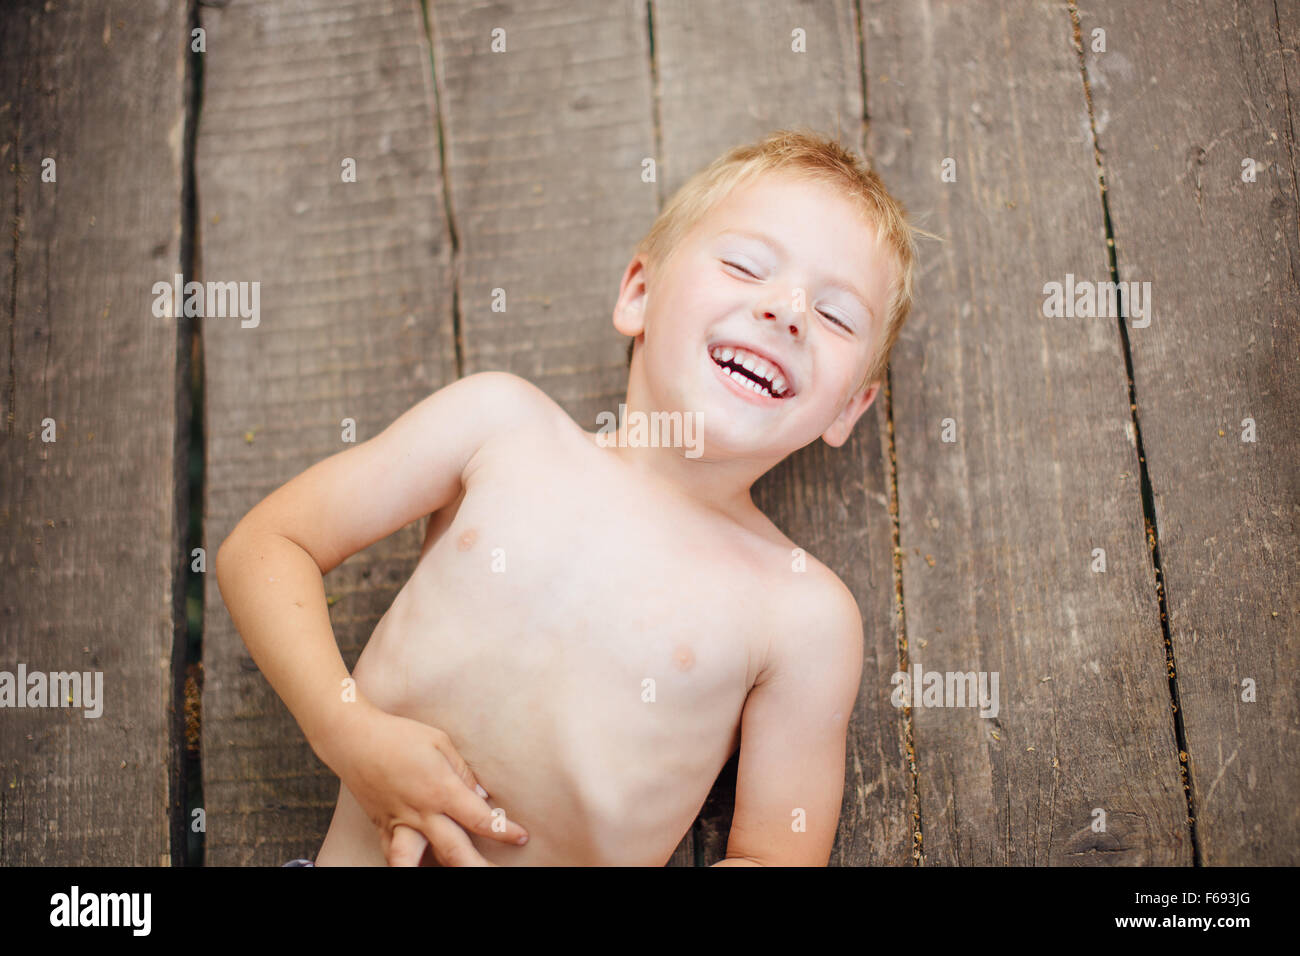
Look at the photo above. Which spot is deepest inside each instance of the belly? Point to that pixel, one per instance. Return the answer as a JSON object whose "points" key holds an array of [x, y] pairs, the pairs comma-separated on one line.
{"points": [[597, 720]]}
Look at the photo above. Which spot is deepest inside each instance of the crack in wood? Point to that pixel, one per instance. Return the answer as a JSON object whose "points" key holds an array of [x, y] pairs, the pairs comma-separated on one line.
{"points": [[1147, 493]]}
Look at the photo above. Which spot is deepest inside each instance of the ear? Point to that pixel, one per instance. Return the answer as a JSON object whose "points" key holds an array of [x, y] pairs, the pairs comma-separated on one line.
{"points": [[629, 310], [842, 427]]}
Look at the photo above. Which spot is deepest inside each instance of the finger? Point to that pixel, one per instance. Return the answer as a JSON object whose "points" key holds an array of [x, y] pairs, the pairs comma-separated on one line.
{"points": [[451, 845], [458, 764], [405, 847], [474, 814]]}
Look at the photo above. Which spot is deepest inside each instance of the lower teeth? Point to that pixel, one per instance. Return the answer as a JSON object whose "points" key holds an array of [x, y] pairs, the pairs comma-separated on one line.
{"points": [[747, 382], [751, 384]]}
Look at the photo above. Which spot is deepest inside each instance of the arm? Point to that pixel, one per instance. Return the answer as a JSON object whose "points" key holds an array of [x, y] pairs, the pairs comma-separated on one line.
{"points": [[792, 740], [270, 568]]}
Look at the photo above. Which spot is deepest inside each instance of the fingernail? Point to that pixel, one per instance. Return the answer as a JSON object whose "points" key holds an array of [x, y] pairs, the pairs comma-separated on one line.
{"points": [[481, 792], [522, 840]]}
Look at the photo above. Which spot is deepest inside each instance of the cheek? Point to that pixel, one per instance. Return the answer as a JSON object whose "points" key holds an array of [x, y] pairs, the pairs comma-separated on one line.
{"points": [[712, 296], [839, 373], [691, 305]]}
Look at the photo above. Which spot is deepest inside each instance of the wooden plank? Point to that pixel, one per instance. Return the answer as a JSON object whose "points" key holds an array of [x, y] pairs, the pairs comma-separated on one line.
{"points": [[92, 545], [1182, 98], [545, 142], [728, 74], [356, 302], [998, 527]]}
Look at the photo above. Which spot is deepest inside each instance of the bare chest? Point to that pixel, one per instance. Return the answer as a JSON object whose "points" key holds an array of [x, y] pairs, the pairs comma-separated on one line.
{"points": [[558, 598]]}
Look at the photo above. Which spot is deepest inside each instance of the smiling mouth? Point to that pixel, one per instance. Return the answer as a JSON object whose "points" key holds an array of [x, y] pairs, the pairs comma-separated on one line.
{"points": [[751, 371]]}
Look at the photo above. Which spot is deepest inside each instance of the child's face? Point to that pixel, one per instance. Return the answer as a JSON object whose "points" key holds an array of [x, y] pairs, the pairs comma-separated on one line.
{"points": [[783, 268]]}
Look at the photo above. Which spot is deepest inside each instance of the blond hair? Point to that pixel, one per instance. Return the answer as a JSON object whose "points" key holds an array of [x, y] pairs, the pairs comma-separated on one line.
{"points": [[817, 158]]}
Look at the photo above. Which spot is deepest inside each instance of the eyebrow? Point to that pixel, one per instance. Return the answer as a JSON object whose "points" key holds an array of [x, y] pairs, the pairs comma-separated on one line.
{"points": [[832, 281]]}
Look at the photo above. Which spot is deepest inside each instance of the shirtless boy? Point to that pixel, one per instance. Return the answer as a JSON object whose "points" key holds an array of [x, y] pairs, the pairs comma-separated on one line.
{"points": [[595, 626]]}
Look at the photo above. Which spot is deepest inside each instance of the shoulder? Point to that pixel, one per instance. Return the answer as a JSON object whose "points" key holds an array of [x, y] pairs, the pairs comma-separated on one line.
{"points": [[513, 417], [807, 588], [501, 403], [830, 606], [818, 623], [506, 396]]}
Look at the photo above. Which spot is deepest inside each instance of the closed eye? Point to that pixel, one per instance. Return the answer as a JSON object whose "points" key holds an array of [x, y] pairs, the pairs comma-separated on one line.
{"points": [[827, 315]]}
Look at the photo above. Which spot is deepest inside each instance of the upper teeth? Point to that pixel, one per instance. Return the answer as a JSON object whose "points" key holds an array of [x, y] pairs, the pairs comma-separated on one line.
{"points": [[752, 363]]}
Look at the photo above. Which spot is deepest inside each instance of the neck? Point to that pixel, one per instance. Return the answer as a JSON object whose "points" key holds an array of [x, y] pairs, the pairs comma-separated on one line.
{"points": [[671, 449]]}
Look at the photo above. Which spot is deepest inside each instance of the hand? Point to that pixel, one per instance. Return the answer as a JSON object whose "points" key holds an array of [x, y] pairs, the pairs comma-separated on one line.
{"points": [[409, 845], [417, 790]]}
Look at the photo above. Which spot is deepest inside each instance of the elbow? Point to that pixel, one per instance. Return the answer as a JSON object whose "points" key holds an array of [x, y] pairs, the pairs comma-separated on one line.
{"points": [[227, 556], [223, 557]]}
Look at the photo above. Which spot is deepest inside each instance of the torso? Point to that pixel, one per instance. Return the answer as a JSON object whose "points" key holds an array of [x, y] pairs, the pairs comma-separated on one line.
{"points": [[587, 640]]}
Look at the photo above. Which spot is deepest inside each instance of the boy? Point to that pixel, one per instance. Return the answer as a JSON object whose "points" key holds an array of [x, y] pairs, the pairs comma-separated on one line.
{"points": [[595, 625]]}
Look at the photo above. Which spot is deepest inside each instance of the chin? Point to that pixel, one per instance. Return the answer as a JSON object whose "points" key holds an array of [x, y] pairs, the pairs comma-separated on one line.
{"points": [[732, 441]]}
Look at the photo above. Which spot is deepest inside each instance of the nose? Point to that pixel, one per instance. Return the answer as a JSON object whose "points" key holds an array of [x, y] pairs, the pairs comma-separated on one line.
{"points": [[782, 315]]}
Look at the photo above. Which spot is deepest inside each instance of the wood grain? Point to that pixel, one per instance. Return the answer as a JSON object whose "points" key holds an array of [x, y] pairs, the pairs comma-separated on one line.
{"points": [[999, 526], [376, 292], [92, 556], [1182, 98], [357, 322], [545, 142]]}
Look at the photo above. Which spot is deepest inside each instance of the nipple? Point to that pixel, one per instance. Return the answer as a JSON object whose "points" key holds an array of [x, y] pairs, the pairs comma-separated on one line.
{"points": [[467, 540], [683, 658]]}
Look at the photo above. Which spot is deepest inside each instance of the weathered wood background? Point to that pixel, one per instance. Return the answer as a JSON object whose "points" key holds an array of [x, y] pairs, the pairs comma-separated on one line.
{"points": [[1118, 154]]}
